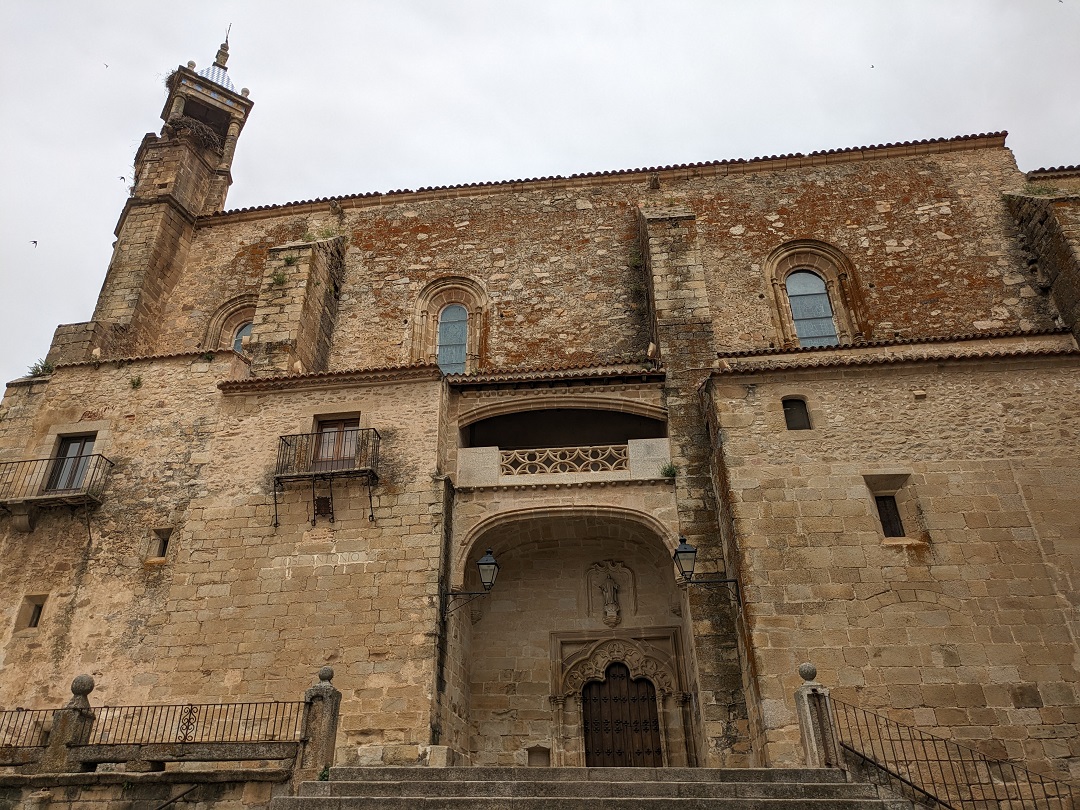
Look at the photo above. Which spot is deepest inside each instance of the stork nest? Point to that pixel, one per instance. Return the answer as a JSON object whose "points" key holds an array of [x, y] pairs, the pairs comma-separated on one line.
{"points": [[197, 131]]}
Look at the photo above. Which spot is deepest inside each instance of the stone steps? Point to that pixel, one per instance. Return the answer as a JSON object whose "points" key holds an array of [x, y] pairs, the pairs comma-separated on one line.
{"points": [[585, 789]]}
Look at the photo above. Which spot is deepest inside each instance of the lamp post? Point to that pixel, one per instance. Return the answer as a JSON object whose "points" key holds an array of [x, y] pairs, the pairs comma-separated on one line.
{"points": [[488, 568], [685, 558]]}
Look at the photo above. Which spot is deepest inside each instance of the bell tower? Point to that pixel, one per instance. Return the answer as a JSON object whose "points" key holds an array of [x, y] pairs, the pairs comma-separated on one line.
{"points": [[181, 174], [205, 110]]}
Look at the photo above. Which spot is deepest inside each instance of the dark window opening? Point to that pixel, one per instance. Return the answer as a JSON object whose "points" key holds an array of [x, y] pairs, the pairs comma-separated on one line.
{"points": [[30, 612], [796, 414], [889, 514], [561, 427], [159, 543]]}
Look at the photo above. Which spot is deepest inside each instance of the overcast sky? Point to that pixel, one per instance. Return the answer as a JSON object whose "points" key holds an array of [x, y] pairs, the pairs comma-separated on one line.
{"points": [[374, 96]]}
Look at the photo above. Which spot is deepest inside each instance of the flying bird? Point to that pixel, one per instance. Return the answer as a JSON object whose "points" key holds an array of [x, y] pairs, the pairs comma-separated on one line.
{"points": [[33, 242], [123, 178], [104, 64]]}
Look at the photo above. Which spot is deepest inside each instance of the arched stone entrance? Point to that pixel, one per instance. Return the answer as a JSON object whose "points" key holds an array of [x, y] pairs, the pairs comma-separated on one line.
{"points": [[577, 592]]}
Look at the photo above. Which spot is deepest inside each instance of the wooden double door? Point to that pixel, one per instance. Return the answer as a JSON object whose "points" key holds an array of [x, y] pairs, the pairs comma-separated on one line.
{"points": [[622, 728]]}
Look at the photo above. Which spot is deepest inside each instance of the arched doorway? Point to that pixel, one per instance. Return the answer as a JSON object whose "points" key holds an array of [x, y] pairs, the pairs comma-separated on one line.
{"points": [[620, 721], [578, 590]]}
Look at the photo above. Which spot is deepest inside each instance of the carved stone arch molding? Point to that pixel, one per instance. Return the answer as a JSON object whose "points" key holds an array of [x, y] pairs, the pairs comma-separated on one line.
{"points": [[228, 318], [841, 282], [642, 660], [433, 299]]}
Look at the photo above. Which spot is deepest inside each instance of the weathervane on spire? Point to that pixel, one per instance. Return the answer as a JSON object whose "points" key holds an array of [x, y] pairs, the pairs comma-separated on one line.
{"points": [[223, 52]]}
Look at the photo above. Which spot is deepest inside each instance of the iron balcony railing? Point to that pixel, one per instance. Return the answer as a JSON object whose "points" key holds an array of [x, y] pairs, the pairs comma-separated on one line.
{"points": [[23, 728], [940, 772], [65, 479], [198, 723], [329, 453]]}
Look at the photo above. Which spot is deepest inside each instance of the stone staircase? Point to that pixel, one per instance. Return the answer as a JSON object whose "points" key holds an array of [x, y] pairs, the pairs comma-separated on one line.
{"points": [[384, 788]]}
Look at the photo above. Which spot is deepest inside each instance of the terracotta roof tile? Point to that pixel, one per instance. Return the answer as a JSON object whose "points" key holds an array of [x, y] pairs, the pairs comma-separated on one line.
{"points": [[741, 162], [635, 369], [871, 344], [410, 371]]}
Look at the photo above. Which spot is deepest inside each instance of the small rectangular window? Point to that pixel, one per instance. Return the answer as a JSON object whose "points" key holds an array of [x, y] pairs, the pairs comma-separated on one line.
{"points": [[30, 612], [159, 544], [889, 513], [796, 414]]}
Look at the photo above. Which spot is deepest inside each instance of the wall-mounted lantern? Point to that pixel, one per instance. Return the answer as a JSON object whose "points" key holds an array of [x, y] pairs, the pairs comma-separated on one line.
{"points": [[685, 558], [488, 568]]}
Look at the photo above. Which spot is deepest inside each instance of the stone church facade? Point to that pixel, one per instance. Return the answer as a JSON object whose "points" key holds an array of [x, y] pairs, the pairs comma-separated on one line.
{"points": [[848, 379]]}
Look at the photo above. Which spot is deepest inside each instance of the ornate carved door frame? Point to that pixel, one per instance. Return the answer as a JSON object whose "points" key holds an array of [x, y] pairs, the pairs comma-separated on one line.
{"points": [[651, 653]]}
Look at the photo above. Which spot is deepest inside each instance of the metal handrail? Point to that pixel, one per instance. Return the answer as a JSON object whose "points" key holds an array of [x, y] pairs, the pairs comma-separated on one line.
{"points": [[274, 721], [943, 772], [59, 478], [24, 728], [340, 452]]}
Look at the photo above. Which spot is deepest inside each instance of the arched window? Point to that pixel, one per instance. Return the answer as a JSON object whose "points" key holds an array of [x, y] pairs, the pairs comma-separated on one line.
{"points": [[231, 323], [448, 325], [796, 414], [453, 339], [238, 338], [816, 296], [810, 309]]}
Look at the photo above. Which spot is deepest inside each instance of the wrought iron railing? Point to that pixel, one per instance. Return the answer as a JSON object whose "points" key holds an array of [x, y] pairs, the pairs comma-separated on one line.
{"points": [[340, 452], [22, 728], [940, 772], [600, 458], [198, 723], [76, 478]]}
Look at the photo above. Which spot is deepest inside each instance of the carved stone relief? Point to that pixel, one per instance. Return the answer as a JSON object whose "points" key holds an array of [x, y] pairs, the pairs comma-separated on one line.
{"points": [[611, 592]]}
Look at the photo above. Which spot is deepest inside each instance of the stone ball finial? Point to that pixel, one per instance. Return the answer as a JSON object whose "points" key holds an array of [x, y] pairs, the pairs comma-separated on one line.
{"points": [[326, 674], [82, 685], [807, 671], [245, 92], [191, 65]]}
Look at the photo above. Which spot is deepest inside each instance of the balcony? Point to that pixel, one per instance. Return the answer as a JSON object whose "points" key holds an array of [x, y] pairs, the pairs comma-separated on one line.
{"points": [[329, 454], [323, 457], [58, 481], [637, 459]]}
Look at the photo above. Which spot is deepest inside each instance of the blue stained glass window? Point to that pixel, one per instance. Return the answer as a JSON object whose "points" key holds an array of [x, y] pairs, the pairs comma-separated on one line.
{"points": [[453, 339], [238, 338], [810, 309]]}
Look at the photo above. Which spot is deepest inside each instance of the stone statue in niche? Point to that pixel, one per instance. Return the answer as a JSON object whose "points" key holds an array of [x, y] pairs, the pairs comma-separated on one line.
{"points": [[610, 589], [610, 592]]}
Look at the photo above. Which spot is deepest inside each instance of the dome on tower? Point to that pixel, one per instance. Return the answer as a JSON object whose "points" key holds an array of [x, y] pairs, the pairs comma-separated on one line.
{"points": [[217, 72]]}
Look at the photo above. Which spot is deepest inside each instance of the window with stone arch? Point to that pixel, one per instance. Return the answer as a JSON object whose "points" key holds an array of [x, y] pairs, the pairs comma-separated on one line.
{"points": [[230, 324], [816, 295], [449, 325]]}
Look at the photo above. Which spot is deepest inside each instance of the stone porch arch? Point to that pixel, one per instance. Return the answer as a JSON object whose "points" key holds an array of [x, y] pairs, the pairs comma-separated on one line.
{"points": [[561, 399], [477, 538]]}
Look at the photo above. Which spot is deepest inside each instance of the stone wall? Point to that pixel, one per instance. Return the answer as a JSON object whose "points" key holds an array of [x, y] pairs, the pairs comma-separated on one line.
{"points": [[966, 625]]}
